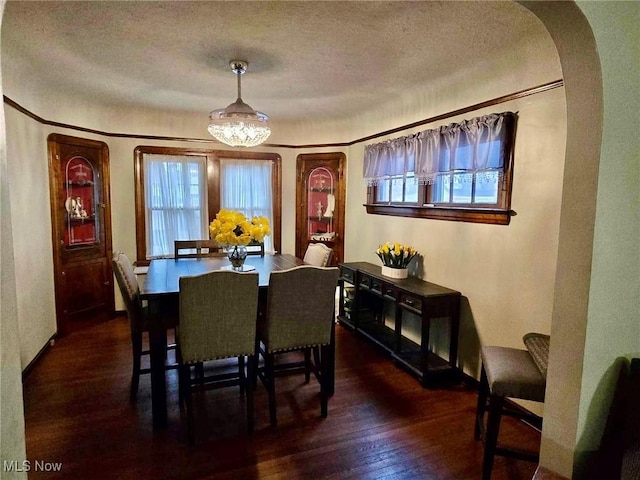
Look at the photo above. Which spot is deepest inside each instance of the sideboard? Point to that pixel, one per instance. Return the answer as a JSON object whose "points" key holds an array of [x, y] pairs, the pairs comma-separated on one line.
{"points": [[365, 294]]}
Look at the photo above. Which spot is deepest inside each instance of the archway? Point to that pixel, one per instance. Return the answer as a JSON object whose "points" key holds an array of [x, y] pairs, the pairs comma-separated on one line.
{"points": [[580, 62]]}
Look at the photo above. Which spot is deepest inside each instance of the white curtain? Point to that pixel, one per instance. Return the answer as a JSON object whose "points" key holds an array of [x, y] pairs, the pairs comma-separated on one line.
{"points": [[476, 146], [428, 152], [175, 200], [389, 158], [245, 186], [473, 146]]}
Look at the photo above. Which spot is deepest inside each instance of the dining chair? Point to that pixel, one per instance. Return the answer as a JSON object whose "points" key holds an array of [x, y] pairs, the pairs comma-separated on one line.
{"points": [[218, 312], [138, 317], [509, 373], [255, 248], [318, 254], [299, 317], [203, 248]]}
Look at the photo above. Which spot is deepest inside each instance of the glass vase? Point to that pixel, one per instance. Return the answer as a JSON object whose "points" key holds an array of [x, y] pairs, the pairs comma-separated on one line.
{"points": [[237, 255]]}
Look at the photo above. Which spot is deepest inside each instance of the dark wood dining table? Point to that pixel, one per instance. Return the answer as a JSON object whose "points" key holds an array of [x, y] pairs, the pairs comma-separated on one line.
{"points": [[161, 290]]}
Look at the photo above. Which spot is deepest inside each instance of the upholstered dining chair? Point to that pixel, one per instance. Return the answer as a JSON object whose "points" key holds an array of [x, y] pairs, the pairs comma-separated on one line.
{"points": [[299, 316], [203, 248], [218, 312], [318, 254], [137, 314]]}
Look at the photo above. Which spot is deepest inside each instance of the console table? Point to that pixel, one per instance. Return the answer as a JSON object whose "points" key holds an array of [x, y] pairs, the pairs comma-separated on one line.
{"points": [[364, 294]]}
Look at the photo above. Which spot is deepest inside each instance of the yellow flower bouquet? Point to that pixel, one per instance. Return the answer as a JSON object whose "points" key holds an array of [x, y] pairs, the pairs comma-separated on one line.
{"points": [[231, 228], [396, 255]]}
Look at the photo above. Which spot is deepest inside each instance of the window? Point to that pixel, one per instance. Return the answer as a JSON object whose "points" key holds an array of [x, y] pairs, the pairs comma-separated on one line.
{"points": [[245, 186], [398, 189], [460, 172], [175, 201], [179, 191]]}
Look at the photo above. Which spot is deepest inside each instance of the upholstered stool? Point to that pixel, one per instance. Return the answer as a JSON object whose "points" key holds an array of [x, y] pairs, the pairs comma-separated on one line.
{"points": [[506, 372]]}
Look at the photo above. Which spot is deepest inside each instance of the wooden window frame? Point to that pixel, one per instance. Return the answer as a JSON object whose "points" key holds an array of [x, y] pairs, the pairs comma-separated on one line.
{"points": [[212, 161], [499, 214]]}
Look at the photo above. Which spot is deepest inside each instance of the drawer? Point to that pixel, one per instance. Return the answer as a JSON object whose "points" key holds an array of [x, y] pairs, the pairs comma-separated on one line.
{"points": [[348, 275], [376, 285], [411, 301], [388, 291], [365, 281]]}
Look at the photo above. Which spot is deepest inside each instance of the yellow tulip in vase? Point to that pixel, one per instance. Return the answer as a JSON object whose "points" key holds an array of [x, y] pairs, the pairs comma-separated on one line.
{"points": [[233, 231], [395, 259]]}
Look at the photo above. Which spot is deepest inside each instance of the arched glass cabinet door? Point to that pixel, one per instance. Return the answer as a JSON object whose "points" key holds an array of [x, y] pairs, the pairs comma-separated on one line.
{"points": [[321, 205], [80, 201], [81, 231], [320, 197]]}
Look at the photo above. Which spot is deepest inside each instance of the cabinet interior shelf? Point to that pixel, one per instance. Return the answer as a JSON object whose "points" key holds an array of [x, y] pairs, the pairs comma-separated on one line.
{"points": [[322, 190], [81, 220], [77, 184], [328, 243]]}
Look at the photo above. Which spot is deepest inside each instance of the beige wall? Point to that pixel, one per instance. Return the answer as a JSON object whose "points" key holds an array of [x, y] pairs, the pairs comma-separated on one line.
{"points": [[598, 269], [31, 219], [613, 327], [505, 273], [12, 444]]}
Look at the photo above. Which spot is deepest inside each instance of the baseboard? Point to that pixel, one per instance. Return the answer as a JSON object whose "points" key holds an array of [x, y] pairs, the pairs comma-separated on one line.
{"points": [[27, 370], [469, 381]]}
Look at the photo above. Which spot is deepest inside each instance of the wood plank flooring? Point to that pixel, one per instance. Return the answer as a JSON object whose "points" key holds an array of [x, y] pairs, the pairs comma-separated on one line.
{"points": [[381, 424]]}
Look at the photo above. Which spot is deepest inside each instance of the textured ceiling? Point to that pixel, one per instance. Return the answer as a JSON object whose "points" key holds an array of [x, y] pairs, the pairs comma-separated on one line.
{"points": [[311, 58]]}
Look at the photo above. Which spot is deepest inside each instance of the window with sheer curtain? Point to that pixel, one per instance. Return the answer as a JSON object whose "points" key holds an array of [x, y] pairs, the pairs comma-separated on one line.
{"points": [[245, 186], [175, 201], [184, 191], [461, 171]]}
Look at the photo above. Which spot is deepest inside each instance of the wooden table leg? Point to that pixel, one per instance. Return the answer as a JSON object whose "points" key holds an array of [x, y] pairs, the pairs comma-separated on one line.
{"points": [[158, 351], [330, 351]]}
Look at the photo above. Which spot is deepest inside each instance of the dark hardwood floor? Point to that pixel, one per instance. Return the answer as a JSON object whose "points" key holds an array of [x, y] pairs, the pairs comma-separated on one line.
{"points": [[381, 424]]}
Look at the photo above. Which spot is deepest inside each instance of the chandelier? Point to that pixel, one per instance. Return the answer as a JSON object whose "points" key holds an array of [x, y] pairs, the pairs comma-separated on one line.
{"points": [[239, 125]]}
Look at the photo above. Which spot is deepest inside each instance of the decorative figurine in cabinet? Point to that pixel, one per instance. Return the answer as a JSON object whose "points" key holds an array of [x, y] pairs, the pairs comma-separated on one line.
{"points": [[80, 201], [320, 202]]}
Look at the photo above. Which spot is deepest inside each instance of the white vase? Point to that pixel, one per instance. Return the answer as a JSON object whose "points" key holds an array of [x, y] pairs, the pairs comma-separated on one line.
{"points": [[395, 272]]}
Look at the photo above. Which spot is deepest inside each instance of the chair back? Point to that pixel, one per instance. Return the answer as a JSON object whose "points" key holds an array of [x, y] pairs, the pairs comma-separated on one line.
{"points": [[318, 254], [130, 290], [218, 312], [255, 248], [203, 248], [300, 308]]}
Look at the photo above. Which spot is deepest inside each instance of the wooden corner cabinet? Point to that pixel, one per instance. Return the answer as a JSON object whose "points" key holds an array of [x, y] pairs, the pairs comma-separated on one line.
{"points": [[365, 295], [81, 230], [320, 193]]}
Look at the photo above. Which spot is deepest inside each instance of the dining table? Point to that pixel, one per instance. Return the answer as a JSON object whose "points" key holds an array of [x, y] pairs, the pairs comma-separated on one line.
{"points": [[161, 289]]}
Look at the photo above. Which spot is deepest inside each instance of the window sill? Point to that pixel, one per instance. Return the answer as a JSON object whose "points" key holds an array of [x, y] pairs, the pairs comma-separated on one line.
{"points": [[493, 216]]}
